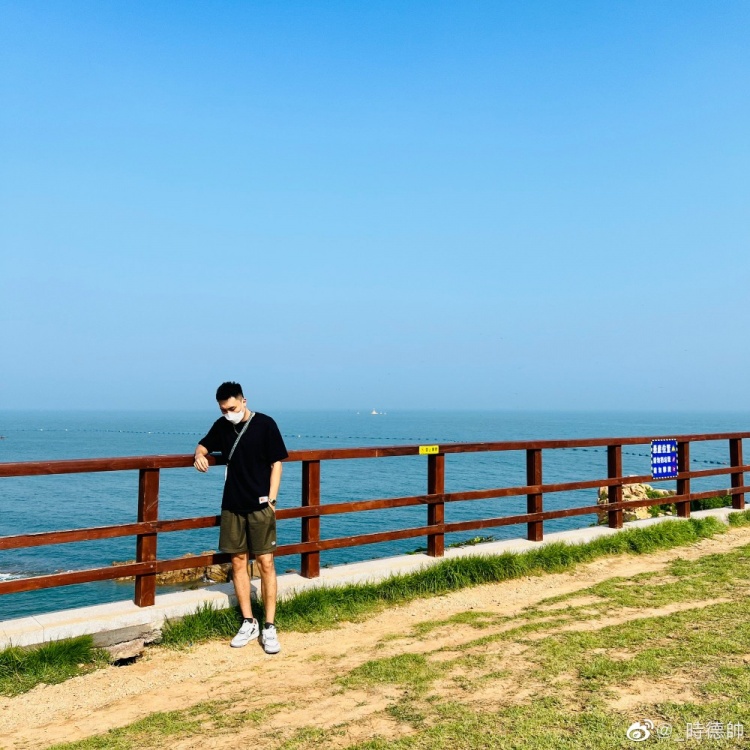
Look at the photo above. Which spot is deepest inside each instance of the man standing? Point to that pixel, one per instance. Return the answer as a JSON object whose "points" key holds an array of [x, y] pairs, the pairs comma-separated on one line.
{"points": [[253, 448]]}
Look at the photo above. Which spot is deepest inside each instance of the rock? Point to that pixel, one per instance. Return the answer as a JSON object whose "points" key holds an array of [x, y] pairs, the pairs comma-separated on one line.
{"points": [[146, 632], [214, 573], [186, 575], [218, 573], [126, 650], [631, 492]]}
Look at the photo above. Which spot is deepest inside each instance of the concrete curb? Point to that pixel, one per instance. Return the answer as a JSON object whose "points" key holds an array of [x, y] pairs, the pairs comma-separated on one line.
{"points": [[119, 622]]}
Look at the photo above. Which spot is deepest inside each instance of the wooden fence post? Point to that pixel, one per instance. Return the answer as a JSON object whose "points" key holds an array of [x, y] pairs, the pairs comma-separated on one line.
{"points": [[436, 511], [310, 566], [683, 485], [145, 546], [738, 477], [534, 501], [614, 491]]}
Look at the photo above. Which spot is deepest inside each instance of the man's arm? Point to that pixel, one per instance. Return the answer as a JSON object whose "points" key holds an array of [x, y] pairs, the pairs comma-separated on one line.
{"points": [[201, 462], [273, 493]]}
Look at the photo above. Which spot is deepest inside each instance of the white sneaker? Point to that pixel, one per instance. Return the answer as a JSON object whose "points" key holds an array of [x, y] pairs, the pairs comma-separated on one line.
{"points": [[270, 640], [248, 632]]}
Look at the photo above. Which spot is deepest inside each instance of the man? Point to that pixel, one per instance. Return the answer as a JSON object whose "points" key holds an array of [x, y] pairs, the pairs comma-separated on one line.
{"points": [[254, 449]]}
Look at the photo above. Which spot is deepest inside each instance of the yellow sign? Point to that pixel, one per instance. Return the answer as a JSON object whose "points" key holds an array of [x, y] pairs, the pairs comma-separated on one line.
{"points": [[426, 450]]}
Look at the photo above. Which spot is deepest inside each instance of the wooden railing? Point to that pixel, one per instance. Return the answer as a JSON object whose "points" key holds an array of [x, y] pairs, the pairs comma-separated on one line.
{"points": [[148, 526]]}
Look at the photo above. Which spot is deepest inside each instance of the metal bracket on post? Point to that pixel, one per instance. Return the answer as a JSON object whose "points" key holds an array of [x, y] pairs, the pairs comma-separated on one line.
{"points": [[145, 547], [436, 511], [310, 565]]}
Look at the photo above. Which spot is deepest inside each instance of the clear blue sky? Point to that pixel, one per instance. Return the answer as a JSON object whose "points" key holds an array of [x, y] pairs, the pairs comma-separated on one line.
{"points": [[387, 204]]}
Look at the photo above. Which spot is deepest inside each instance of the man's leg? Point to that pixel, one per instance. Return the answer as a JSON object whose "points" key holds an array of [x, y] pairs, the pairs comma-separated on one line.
{"points": [[241, 580], [250, 628], [233, 536], [267, 584], [262, 531]]}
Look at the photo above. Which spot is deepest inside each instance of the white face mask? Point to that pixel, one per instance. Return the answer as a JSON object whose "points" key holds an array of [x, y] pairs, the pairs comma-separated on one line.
{"points": [[235, 417]]}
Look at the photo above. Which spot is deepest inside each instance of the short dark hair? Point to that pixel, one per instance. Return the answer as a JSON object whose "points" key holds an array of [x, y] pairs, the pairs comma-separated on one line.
{"points": [[227, 390]]}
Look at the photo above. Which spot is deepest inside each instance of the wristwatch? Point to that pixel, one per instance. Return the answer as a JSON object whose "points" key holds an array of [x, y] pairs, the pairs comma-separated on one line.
{"points": [[272, 501]]}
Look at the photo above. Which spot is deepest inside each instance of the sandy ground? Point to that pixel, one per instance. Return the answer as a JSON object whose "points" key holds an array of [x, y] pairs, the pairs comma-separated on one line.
{"points": [[303, 675]]}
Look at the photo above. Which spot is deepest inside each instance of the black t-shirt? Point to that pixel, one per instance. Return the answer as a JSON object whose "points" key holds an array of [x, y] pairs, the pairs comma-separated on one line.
{"points": [[249, 472]]}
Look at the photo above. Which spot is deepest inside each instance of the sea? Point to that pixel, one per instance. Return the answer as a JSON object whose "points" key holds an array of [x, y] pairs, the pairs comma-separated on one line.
{"points": [[46, 503]]}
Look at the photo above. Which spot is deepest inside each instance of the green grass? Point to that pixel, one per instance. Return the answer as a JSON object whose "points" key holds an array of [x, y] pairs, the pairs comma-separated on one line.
{"points": [[416, 672], [407, 711], [704, 647], [407, 670], [723, 576], [310, 738], [211, 717], [545, 726], [693, 639], [322, 608], [23, 668], [708, 503], [205, 624], [572, 675], [740, 518], [550, 724]]}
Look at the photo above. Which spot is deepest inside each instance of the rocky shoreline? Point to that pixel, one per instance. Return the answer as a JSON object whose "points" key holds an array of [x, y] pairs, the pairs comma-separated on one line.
{"points": [[202, 574], [632, 492]]}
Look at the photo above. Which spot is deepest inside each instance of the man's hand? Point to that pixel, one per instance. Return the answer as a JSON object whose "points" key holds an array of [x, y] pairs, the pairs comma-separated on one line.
{"points": [[201, 462]]}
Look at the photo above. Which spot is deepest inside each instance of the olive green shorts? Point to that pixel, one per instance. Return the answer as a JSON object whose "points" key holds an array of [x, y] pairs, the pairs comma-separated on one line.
{"points": [[248, 532]]}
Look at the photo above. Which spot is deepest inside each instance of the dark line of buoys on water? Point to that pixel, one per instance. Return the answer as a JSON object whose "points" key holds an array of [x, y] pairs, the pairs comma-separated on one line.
{"points": [[347, 437]]}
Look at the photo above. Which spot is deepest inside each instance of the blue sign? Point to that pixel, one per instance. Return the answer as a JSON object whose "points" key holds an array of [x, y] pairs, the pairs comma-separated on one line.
{"points": [[663, 459]]}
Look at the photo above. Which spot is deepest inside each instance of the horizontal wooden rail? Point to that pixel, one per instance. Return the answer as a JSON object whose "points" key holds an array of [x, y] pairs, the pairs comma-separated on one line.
{"points": [[203, 522], [129, 463], [312, 509], [196, 561], [110, 572]]}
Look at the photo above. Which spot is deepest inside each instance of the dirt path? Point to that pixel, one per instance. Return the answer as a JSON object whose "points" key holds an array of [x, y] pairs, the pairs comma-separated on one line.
{"points": [[302, 677]]}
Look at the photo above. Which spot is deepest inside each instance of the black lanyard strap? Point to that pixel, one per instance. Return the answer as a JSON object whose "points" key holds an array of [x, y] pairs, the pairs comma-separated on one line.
{"points": [[239, 437]]}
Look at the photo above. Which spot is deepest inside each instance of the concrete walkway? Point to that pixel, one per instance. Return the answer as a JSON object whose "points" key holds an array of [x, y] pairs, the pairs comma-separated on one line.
{"points": [[123, 621]]}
